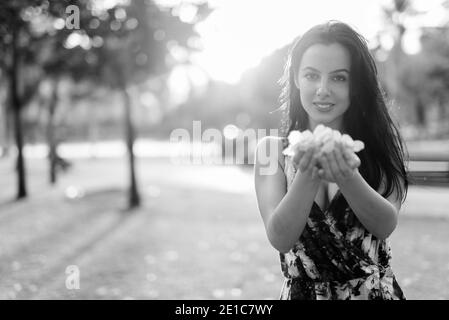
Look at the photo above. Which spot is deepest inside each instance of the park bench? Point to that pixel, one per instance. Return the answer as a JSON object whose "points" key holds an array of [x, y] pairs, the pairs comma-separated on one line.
{"points": [[430, 169]]}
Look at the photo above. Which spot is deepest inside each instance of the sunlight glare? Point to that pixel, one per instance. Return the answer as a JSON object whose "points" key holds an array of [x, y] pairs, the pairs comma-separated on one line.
{"points": [[411, 41], [230, 131], [238, 34], [178, 84]]}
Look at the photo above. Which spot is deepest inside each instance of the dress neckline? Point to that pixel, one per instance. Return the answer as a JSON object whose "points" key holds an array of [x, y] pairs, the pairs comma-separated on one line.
{"points": [[314, 204], [331, 203]]}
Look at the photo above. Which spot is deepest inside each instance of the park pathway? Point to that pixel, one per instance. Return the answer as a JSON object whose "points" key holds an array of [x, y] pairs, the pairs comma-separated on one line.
{"points": [[198, 235]]}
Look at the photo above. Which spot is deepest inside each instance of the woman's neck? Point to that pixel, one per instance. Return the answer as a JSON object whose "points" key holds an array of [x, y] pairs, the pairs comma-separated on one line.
{"points": [[333, 125]]}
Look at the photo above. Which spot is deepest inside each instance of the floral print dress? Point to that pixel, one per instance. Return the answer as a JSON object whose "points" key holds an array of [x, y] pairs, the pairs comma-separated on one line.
{"points": [[336, 257]]}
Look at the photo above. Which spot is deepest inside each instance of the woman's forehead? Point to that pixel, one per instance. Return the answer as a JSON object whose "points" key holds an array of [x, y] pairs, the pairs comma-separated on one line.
{"points": [[326, 57]]}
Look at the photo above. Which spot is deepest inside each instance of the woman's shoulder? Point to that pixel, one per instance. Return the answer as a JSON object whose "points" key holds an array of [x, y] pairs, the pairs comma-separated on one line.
{"points": [[275, 142], [272, 147]]}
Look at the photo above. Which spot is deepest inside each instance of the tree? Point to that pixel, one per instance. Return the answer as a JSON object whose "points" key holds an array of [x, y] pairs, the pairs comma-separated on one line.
{"points": [[127, 44], [116, 46], [14, 35], [395, 14], [415, 82], [26, 38], [407, 76], [57, 62]]}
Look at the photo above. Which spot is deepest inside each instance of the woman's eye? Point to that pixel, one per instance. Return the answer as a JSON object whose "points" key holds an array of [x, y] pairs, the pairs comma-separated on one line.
{"points": [[339, 78], [311, 76]]}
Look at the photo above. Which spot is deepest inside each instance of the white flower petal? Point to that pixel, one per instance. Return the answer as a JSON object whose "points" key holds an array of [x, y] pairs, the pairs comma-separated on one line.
{"points": [[328, 147], [347, 140], [324, 135], [336, 135], [358, 146], [307, 134], [319, 128], [294, 137], [288, 151]]}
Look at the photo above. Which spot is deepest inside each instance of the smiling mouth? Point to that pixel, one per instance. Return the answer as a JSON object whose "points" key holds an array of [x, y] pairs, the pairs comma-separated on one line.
{"points": [[323, 106]]}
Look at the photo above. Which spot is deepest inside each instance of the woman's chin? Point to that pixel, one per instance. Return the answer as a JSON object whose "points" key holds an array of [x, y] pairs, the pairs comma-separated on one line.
{"points": [[331, 121]]}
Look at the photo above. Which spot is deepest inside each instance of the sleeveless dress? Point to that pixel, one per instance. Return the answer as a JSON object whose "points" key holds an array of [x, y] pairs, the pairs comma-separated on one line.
{"points": [[336, 257]]}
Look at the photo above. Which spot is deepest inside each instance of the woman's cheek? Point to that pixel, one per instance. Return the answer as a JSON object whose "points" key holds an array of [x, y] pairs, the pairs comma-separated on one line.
{"points": [[307, 95], [343, 93]]}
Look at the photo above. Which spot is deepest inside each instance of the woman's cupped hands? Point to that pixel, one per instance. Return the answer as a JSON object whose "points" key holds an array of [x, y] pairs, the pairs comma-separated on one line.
{"points": [[324, 154]]}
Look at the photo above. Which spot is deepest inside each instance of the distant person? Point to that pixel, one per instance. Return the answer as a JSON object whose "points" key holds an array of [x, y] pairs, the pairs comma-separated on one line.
{"points": [[329, 214]]}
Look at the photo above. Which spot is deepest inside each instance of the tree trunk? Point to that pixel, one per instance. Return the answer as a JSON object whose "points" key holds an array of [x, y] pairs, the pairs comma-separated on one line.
{"points": [[16, 109], [7, 128], [442, 105], [51, 139], [134, 197], [420, 112]]}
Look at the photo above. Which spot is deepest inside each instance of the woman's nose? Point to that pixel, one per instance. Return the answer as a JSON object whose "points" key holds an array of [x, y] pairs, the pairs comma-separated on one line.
{"points": [[323, 89]]}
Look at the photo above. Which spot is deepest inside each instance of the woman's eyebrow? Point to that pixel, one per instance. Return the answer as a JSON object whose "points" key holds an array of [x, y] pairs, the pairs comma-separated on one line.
{"points": [[340, 70], [310, 68], [316, 70]]}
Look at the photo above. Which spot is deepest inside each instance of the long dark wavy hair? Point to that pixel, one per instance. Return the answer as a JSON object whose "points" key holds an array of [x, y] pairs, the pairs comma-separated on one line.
{"points": [[367, 117]]}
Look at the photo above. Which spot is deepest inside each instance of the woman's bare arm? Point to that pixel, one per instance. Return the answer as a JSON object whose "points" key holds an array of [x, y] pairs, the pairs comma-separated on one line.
{"points": [[284, 213], [378, 215]]}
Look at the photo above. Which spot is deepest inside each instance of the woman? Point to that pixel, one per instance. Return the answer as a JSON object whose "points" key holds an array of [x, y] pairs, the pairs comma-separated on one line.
{"points": [[329, 215]]}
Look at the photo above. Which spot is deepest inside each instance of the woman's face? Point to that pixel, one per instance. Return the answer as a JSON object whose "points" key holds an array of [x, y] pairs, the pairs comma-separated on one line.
{"points": [[323, 83]]}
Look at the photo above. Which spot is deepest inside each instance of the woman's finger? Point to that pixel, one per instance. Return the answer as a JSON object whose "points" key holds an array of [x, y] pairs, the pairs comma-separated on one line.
{"points": [[346, 154], [298, 156], [326, 171], [356, 161], [345, 169], [351, 158], [315, 173], [333, 165], [314, 162], [305, 160]]}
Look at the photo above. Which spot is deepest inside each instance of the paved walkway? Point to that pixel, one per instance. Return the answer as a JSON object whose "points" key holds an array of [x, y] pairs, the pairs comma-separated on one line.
{"points": [[198, 235]]}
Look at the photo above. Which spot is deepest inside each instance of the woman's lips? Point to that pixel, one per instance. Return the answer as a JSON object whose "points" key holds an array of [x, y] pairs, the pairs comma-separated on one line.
{"points": [[323, 106]]}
